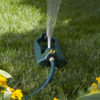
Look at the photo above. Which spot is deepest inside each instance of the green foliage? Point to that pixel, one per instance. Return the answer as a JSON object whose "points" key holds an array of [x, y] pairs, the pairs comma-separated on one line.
{"points": [[61, 94], [95, 96], [5, 74], [0, 96], [98, 86], [94, 92], [81, 93], [7, 95]]}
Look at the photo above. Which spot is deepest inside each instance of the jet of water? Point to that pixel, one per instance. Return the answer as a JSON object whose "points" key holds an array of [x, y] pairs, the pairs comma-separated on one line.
{"points": [[52, 13]]}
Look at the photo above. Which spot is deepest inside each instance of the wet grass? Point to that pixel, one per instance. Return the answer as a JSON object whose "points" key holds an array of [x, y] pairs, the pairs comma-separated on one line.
{"points": [[78, 31]]}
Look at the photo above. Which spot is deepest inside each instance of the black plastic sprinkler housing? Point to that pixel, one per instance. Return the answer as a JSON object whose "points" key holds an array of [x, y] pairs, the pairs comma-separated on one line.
{"points": [[47, 56]]}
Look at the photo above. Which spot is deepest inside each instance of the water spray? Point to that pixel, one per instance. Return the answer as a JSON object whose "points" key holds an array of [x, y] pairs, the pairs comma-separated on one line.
{"points": [[46, 47], [52, 13]]}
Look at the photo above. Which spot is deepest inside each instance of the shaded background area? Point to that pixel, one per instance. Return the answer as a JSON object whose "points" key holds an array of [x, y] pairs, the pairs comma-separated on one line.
{"points": [[78, 31]]}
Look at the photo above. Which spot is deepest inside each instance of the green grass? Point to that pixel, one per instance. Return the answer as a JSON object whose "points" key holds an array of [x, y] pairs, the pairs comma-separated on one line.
{"points": [[78, 31]]}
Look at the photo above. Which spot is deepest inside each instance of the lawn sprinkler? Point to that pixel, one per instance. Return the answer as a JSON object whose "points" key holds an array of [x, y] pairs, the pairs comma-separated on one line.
{"points": [[47, 57], [43, 53], [46, 48]]}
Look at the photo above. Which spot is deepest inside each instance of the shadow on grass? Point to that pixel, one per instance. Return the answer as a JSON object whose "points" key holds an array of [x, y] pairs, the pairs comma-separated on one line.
{"points": [[78, 31], [76, 18]]}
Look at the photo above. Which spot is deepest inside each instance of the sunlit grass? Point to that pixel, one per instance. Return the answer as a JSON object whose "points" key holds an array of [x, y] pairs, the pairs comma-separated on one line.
{"points": [[15, 17]]}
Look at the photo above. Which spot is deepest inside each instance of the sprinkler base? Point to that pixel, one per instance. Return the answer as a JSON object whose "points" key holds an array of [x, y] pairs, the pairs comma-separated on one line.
{"points": [[42, 52]]}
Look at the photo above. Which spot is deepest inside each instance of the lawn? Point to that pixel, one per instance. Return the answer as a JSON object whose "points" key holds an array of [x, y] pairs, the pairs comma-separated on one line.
{"points": [[78, 32]]}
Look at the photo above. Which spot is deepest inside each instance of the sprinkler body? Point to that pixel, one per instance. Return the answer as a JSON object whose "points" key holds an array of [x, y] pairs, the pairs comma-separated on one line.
{"points": [[41, 51]]}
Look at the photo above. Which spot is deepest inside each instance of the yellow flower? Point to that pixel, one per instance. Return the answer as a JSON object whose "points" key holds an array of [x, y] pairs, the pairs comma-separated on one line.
{"points": [[12, 90], [6, 86], [3, 91], [98, 79], [94, 85], [16, 94], [3, 81], [95, 88], [55, 99]]}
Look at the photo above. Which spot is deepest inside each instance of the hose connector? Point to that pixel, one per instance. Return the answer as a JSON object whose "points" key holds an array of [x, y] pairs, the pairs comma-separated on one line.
{"points": [[51, 54], [51, 59]]}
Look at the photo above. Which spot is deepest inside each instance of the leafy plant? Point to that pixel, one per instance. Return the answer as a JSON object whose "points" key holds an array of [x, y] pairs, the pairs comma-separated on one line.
{"points": [[94, 92], [7, 93]]}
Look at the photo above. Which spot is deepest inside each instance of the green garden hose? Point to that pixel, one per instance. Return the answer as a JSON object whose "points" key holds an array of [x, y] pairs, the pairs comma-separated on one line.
{"points": [[52, 62]]}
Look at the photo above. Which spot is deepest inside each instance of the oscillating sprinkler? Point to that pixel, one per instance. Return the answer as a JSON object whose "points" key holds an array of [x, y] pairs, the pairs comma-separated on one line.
{"points": [[43, 53], [46, 48], [47, 57]]}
